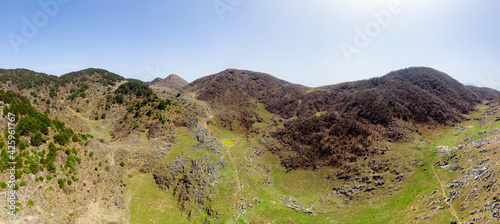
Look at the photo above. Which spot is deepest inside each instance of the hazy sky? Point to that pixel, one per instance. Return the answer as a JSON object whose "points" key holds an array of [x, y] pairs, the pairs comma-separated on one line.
{"points": [[313, 42]]}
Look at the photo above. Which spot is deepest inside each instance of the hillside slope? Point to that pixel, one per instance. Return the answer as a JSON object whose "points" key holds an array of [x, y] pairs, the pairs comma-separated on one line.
{"points": [[231, 93], [336, 124], [485, 93]]}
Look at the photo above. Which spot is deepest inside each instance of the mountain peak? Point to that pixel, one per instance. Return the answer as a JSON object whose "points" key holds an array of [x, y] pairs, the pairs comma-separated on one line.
{"points": [[172, 81]]}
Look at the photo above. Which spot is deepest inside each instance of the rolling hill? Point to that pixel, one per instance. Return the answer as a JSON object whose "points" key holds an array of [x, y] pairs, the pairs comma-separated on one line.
{"points": [[331, 125], [172, 81]]}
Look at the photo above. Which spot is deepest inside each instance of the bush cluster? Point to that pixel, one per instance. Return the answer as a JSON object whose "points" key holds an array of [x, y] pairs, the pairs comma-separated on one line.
{"points": [[138, 88]]}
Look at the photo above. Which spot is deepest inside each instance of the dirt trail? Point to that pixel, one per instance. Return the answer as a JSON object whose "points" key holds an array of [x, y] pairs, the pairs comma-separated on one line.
{"points": [[235, 167], [205, 123], [452, 210], [96, 129]]}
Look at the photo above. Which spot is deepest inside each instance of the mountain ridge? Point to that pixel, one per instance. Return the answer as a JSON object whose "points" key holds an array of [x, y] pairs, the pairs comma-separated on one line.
{"points": [[158, 79], [240, 142]]}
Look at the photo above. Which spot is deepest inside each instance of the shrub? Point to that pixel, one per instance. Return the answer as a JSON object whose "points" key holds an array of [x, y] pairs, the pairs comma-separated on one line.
{"points": [[405, 117], [75, 138], [71, 162], [22, 145], [51, 157], [53, 92], [34, 167], [79, 93], [61, 182], [119, 98], [140, 89], [162, 105], [64, 134], [23, 183]]}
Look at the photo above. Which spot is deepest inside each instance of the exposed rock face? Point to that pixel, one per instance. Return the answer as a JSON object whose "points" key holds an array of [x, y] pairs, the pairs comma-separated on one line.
{"points": [[191, 181]]}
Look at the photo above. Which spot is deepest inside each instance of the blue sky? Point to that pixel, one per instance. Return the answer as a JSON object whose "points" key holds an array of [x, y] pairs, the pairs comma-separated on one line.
{"points": [[299, 41]]}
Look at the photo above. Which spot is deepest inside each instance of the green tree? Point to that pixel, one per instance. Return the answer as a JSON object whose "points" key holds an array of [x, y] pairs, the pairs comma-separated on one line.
{"points": [[61, 182], [51, 157], [23, 126], [71, 162], [162, 105], [36, 139], [119, 98]]}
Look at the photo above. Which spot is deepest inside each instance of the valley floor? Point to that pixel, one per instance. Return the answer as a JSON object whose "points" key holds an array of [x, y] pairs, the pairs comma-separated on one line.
{"points": [[413, 182]]}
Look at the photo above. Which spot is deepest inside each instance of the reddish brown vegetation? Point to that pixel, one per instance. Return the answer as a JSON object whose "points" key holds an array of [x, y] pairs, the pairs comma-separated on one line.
{"points": [[231, 93], [356, 114], [485, 93]]}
